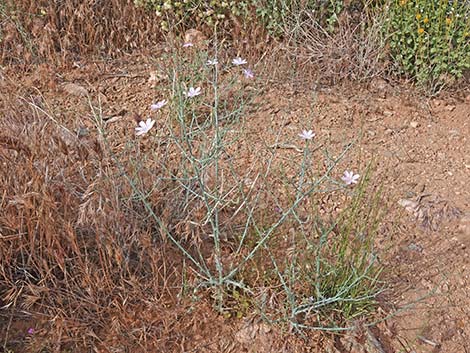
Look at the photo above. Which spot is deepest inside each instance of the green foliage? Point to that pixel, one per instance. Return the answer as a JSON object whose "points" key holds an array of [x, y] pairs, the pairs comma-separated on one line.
{"points": [[271, 13], [429, 39], [189, 13]]}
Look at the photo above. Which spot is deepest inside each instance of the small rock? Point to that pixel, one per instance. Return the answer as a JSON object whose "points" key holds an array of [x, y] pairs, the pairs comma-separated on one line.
{"points": [[414, 124], [388, 113], [464, 226], [75, 90], [454, 133], [450, 107], [415, 247]]}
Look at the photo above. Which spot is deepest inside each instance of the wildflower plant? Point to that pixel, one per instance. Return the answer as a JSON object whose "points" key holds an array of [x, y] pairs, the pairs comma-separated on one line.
{"points": [[215, 208], [430, 39]]}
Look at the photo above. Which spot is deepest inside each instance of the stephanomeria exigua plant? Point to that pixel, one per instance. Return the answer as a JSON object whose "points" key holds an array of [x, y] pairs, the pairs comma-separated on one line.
{"points": [[215, 210]]}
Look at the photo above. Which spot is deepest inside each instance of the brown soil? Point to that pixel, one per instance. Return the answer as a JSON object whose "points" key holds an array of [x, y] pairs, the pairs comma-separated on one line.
{"points": [[421, 149]]}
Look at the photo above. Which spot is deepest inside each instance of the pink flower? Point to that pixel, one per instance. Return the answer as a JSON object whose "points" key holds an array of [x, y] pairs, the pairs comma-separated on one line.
{"points": [[193, 92], [158, 105], [30, 331], [307, 135], [248, 73], [238, 61], [144, 127], [350, 178]]}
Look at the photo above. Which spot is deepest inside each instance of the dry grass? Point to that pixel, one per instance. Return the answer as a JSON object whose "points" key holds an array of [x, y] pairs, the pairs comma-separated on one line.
{"points": [[354, 51], [77, 258], [52, 30]]}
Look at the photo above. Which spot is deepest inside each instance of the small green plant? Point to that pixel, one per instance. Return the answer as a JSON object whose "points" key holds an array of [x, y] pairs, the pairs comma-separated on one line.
{"points": [[224, 218], [429, 39]]}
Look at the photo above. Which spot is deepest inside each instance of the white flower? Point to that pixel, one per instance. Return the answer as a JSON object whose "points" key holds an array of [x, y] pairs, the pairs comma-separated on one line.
{"points": [[144, 127], [307, 135], [158, 105], [187, 45], [212, 62], [193, 92], [248, 73], [238, 61], [350, 178]]}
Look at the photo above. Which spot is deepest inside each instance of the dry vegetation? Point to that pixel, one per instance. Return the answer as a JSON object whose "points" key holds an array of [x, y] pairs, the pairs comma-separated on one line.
{"points": [[73, 249], [63, 31], [86, 257]]}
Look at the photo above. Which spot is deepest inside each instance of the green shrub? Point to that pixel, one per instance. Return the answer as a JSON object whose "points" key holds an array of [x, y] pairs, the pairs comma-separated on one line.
{"points": [[429, 39], [271, 13], [190, 13]]}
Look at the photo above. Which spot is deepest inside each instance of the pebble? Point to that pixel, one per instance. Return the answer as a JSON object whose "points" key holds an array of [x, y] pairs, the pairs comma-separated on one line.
{"points": [[464, 226], [415, 247], [414, 124], [450, 108]]}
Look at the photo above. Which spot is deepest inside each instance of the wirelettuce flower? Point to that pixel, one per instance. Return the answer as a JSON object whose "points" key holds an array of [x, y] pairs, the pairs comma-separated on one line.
{"points": [[193, 92], [158, 105], [307, 135], [350, 178], [144, 127], [239, 61], [248, 73]]}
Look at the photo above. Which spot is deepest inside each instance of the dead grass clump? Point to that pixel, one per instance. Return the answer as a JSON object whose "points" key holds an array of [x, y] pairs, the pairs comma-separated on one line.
{"points": [[49, 30], [78, 260], [354, 50]]}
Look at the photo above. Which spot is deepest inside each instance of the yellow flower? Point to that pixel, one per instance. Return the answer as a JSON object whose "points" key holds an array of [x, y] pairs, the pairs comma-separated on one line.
{"points": [[420, 30], [426, 20], [402, 2], [418, 16], [448, 21]]}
